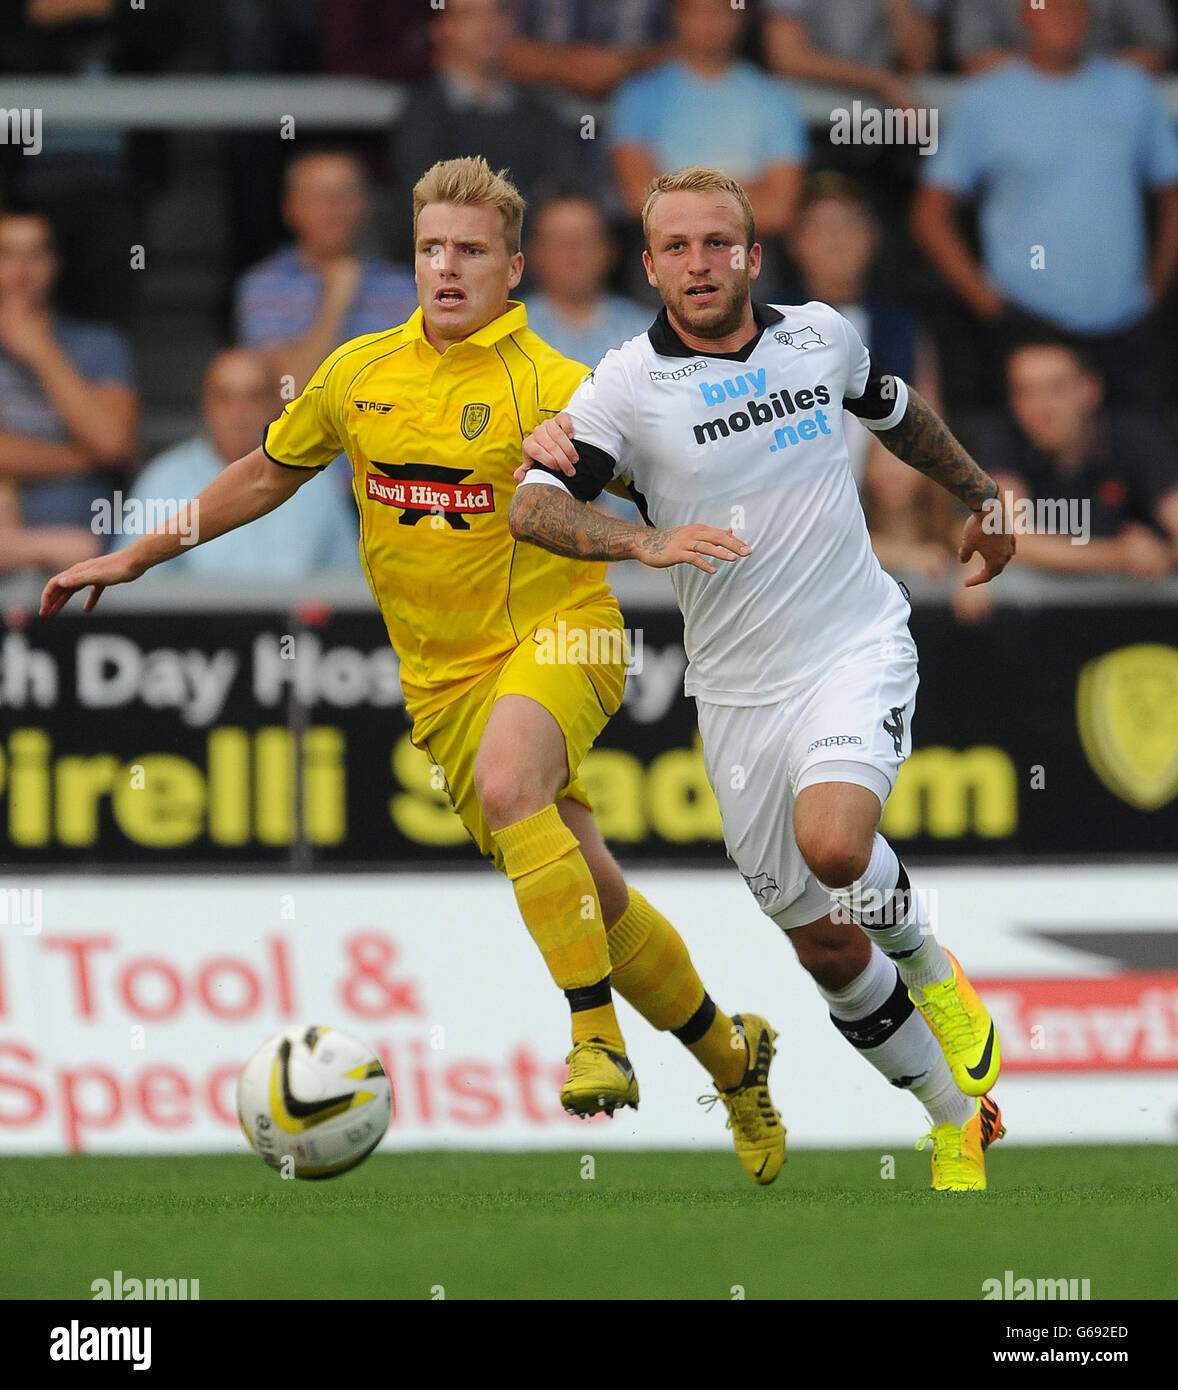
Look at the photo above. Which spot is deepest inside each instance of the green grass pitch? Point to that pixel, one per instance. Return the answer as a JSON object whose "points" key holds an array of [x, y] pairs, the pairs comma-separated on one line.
{"points": [[645, 1226]]}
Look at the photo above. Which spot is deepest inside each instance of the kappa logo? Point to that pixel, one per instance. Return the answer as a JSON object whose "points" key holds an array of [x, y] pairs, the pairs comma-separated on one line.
{"points": [[689, 370], [474, 419], [801, 338], [373, 407], [834, 741]]}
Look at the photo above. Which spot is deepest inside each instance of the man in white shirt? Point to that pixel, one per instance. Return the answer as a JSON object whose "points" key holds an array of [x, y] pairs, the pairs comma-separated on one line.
{"points": [[724, 423]]}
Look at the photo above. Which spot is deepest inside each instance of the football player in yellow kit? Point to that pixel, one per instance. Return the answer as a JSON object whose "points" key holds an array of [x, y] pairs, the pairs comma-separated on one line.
{"points": [[432, 415]]}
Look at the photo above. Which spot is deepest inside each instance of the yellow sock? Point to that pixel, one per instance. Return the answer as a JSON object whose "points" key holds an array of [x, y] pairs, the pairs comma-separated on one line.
{"points": [[652, 971], [558, 902]]}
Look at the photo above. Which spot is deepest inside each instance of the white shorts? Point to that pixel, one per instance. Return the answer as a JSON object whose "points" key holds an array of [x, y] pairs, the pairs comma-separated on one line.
{"points": [[850, 724]]}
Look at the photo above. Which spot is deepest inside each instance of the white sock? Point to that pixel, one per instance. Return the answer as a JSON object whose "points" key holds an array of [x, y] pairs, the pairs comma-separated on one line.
{"points": [[887, 907], [876, 1016]]}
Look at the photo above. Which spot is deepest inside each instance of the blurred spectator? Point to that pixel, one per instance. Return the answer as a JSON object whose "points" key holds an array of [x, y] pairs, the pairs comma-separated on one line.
{"points": [[1063, 445], [706, 106], [570, 254], [308, 298], [388, 39], [90, 179], [853, 43], [68, 409], [313, 532], [984, 33], [834, 242], [586, 46], [39, 547], [471, 108], [1060, 150]]}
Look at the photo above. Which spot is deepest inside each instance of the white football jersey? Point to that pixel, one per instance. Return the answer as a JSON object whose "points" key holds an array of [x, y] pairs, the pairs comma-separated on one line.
{"points": [[751, 440]]}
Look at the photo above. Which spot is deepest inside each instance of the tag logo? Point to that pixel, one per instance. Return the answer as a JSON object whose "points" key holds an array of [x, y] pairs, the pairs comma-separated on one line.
{"points": [[374, 407], [801, 338], [1127, 717], [474, 419]]}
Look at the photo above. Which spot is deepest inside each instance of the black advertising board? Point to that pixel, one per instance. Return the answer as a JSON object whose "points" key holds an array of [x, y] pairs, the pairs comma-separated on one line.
{"points": [[141, 740]]}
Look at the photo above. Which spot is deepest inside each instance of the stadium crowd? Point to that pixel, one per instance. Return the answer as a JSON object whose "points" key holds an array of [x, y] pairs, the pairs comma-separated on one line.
{"points": [[1018, 270]]}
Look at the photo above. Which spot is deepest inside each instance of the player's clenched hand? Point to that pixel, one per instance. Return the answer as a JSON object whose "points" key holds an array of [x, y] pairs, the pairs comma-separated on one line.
{"points": [[99, 573], [550, 444], [688, 545], [995, 547]]}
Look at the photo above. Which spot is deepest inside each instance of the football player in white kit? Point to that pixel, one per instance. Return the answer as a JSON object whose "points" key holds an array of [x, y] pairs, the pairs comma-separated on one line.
{"points": [[724, 424]]}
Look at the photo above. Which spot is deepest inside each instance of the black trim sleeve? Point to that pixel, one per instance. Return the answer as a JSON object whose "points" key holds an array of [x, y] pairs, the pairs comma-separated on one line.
{"points": [[595, 468], [294, 467], [879, 397]]}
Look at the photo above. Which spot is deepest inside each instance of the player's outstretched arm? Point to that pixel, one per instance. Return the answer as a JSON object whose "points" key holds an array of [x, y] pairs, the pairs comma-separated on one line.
{"points": [[240, 493], [552, 518], [926, 443]]}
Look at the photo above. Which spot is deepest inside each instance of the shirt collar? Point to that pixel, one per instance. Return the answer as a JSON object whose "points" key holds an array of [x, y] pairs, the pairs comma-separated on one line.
{"points": [[667, 343], [504, 326]]}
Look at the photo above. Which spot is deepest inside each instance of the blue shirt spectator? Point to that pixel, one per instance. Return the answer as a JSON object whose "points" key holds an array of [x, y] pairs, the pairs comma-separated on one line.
{"points": [[278, 299], [100, 354], [741, 121], [1063, 229], [310, 533], [314, 530], [614, 321]]}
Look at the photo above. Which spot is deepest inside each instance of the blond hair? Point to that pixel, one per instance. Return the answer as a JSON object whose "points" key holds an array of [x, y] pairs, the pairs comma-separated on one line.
{"points": [[470, 182], [697, 179]]}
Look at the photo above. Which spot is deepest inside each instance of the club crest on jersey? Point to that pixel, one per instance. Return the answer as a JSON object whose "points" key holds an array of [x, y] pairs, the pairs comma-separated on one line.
{"points": [[801, 338], [474, 419], [429, 490]]}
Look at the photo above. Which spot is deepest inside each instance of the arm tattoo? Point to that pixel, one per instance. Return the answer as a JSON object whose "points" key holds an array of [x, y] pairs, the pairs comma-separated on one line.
{"points": [[925, 442], [552, 518]]}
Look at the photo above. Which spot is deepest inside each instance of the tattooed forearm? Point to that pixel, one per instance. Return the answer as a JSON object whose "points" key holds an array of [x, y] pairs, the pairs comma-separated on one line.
{"points": [[550, 517], [925, 442]]}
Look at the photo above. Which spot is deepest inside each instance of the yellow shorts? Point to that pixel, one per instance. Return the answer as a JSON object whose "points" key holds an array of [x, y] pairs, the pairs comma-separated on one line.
{"points": [[574, 665]]}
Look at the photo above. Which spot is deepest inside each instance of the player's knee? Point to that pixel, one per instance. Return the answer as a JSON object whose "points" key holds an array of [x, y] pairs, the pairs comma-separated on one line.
{"points": [[835, 860], [505, 797]]}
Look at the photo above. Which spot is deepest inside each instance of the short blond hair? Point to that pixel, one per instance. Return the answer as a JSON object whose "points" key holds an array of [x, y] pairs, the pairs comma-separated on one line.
{"points": [[470, 182], [698, 179]]}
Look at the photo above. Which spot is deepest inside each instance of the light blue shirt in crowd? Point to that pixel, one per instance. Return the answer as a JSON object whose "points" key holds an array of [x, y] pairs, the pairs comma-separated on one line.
{"points": [[1062, 163], [742, 121], [312, 532], [276, 301], [615, 321]]}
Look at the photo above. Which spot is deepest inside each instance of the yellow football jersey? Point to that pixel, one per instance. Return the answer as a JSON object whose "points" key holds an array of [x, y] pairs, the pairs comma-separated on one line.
{"points": [[433, 441]]}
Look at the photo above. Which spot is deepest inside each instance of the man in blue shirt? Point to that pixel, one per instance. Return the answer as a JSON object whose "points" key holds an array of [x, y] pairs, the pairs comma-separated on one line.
{"points": [[570, 255], [1060, 151], [707, 107], [68, 408], [309, 535], [299, 305]]}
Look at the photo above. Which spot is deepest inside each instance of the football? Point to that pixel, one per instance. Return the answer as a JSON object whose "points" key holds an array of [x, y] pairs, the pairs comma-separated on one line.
{"points": [[314, 1102]]}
